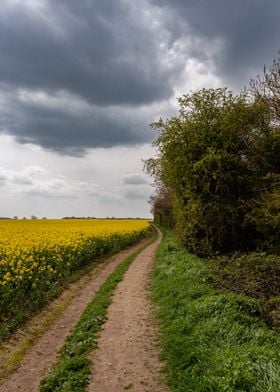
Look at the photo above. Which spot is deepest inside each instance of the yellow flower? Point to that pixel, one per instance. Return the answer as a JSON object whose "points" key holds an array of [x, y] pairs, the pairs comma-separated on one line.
{"points": [[35, 248]]}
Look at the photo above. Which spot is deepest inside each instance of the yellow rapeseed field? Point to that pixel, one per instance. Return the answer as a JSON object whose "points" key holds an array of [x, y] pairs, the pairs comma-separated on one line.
{"points": [[29, 248], [37, 257]]}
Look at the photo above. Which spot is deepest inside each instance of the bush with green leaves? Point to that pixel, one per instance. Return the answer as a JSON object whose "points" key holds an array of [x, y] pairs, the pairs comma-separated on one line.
{"points": [[214, 157], [265, 216]]}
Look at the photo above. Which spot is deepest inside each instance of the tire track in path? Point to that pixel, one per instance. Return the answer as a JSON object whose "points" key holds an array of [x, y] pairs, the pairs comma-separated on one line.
{"points": [[127, 355]]}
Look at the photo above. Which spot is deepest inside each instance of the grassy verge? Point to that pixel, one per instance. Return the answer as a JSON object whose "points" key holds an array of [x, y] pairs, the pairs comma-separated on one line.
{"points": [[212, 340], [71, 372]]}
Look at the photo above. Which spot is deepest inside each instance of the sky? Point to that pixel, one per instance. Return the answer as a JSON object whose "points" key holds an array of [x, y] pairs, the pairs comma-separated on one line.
{"points": [[80, 82]]}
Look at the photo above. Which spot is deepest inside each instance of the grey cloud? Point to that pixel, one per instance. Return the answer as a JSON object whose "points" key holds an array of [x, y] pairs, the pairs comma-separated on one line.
{"points": [[97, 50], [106, 55], [111, 59], [36, 181], [134, 179], [73, 132], [53, 188], [137, 193], [135, 187], [10, 176], [35, 171], [249, 29], [62, 188]]}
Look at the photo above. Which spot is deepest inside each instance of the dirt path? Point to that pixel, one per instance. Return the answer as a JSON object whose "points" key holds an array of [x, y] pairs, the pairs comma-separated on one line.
{"points": [[127, 355], [38, 362]]}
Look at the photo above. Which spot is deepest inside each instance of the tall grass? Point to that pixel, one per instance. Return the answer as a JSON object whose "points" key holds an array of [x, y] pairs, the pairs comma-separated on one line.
{"points": [[212, 340]]}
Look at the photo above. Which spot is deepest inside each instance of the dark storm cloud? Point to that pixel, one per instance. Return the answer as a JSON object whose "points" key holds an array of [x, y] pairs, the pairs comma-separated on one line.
{"points": [[103, 53], [250, 30], [71, 132], [94, 49], [110, 59]]}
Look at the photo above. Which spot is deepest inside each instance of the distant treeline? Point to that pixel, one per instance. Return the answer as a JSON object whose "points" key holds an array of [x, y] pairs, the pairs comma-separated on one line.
{"points": [[92, 217], [33, 217]]}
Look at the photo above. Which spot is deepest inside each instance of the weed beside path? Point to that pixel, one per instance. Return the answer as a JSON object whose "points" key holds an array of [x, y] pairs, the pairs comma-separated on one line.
{"points": [[211, 340]]}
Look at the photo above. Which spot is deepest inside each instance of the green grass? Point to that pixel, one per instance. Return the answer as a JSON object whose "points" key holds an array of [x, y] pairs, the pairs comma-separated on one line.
{"points": [[212, 340], [71, 372]]}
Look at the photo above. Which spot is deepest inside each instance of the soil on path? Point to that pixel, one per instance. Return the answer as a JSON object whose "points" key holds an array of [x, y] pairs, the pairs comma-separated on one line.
{"points": [[38, 362], [127, 354]]}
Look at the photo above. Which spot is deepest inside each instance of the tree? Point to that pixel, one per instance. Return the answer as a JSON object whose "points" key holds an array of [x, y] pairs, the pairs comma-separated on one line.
{"points": [[265, 214], [266, 88], [211, 158], [161, 206]]}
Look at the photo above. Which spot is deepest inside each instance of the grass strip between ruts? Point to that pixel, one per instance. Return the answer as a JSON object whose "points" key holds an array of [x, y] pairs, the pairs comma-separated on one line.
{"points": [[212, 340], [72, 370]]}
